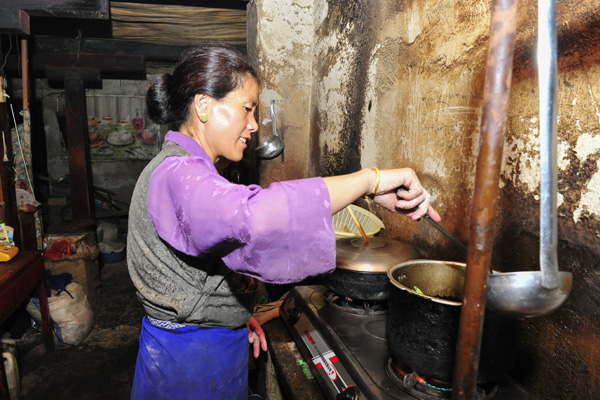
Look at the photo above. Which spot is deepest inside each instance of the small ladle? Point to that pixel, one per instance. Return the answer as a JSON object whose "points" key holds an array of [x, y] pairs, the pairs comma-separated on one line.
{"points": [[530, 294], [273, 146]]}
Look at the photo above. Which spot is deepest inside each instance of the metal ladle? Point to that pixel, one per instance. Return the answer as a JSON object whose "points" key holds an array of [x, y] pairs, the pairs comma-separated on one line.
{"points": [[273, 146], [517, 287], [536, 293]]}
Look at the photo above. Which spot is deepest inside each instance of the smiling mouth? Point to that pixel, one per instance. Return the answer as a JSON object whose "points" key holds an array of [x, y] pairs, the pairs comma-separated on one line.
{"points": [[244, 140]]}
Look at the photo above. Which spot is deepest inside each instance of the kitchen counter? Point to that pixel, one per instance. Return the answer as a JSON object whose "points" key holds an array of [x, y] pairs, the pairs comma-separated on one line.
{"points": [[287, 360]]}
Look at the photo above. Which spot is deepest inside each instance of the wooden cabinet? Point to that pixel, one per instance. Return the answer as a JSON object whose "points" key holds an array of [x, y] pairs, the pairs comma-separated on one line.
{"points": [[19, 278]]}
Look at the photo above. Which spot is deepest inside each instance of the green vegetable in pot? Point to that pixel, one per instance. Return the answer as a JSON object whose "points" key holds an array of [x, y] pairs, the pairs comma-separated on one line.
{"points": [[418, 290]]}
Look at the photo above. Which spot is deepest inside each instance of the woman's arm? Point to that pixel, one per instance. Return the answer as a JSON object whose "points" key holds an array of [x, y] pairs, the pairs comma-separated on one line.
{"points": [[345, 189]]}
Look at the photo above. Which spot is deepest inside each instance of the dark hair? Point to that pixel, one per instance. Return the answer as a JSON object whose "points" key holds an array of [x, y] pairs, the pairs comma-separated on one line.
{"points": [[211, 70]]}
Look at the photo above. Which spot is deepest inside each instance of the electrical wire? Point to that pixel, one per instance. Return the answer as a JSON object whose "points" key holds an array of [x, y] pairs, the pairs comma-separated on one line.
{"points": [[8, 53]]}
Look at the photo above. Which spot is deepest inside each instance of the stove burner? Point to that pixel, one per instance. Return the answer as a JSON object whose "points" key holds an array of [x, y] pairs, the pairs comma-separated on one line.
{"points": [[355, 306], [429, 390]]}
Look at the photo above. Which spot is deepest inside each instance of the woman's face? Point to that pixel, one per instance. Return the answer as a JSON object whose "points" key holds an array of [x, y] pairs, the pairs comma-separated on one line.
{"points": [[231, 122]]}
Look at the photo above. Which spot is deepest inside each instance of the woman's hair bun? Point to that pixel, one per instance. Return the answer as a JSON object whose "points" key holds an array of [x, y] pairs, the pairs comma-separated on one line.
{"points": [[157, 99]]}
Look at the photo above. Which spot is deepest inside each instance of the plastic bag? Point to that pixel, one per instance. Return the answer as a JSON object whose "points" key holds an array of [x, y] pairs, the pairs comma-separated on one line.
{"points": [[59, 249], [72, 317]]}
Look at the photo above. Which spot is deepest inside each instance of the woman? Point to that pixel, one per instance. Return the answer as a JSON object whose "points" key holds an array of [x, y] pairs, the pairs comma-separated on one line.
{"points": [[196, 241]]}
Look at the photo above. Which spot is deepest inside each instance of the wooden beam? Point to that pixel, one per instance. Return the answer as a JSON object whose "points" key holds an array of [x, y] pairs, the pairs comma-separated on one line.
{"points": [[177, 25], [85, 74], [150, 51], [102, 62], [229, 4], [14, 21], [111, 66], [90, 9]]}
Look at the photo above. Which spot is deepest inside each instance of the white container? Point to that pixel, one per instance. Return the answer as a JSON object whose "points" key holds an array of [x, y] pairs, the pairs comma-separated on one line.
{"points": [[13, 381]]}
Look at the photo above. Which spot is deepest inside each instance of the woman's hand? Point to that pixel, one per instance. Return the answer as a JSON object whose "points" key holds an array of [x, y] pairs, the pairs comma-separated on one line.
{"points": [[400, 190], [414, 201], [256, 336]]}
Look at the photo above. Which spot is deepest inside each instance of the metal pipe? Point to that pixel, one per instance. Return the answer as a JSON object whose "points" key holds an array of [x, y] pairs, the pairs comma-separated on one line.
{"points": [[547, 72], [481, 235]]}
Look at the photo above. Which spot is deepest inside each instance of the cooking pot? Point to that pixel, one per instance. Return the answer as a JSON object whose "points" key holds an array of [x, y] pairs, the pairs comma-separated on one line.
{"points": [[361, 268], [422, 329]]}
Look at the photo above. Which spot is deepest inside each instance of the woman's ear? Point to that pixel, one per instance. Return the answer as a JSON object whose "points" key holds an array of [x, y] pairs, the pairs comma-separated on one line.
{"points": [[201, 106]]}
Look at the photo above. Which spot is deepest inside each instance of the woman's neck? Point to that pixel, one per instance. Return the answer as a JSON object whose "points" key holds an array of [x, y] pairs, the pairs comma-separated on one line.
{"points": [[196, 133]]}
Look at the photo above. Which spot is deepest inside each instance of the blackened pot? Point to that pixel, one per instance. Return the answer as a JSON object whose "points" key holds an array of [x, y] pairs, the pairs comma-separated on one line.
{"points": [[422, 329], [358, 285], [361, 268]]}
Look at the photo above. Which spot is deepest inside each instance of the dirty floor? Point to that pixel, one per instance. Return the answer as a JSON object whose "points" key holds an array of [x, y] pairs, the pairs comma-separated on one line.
{"points": [[102, 366]]}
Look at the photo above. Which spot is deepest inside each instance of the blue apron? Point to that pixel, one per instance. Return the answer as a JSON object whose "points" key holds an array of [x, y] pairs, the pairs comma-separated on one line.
{"points": [[190, 362]]}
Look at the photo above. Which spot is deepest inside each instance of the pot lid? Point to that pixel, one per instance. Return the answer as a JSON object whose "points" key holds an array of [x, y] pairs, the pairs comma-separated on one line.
{"points": [[354, 254]]}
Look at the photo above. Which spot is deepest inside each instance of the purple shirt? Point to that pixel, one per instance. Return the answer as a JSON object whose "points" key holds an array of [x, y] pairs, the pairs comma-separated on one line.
{"points": [[280, 234]]}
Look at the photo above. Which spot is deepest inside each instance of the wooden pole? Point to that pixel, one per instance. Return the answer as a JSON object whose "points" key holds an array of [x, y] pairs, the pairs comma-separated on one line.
{"points": [[80, 163], [496, 93], [25, 75]]}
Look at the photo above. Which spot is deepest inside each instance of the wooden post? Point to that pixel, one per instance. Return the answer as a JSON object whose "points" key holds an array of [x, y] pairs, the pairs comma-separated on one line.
{"points": [[25, 74], [74, 70], [80, 164], [496, 93]]}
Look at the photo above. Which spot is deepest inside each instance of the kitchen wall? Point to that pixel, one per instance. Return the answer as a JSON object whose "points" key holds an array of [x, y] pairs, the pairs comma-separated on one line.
{"points": [[393, 84]]}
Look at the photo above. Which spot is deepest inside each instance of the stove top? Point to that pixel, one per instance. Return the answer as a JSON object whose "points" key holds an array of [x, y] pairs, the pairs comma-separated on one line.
{"points": [[347, 352]]}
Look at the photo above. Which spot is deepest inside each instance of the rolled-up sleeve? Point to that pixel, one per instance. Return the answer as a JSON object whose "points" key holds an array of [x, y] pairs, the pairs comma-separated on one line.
{"points": [[280, 234]]}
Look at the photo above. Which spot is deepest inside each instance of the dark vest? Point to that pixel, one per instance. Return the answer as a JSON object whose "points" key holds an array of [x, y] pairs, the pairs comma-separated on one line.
{"points": [[174, 286]]}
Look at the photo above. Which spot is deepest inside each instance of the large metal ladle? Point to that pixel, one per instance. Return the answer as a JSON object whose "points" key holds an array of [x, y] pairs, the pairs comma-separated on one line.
{"points": [[535, 293]]}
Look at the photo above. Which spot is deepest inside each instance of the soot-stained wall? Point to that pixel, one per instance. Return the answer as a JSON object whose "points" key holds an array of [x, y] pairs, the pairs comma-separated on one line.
{"points": [[394, 84]]}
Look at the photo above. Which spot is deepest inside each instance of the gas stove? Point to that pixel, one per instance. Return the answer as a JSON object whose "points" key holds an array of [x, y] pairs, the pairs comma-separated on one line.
{"points": [[345, 346]]}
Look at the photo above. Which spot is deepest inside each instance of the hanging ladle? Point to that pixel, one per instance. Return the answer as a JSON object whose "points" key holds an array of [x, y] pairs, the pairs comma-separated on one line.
{"points": [[273, 146], [535, 293]]}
